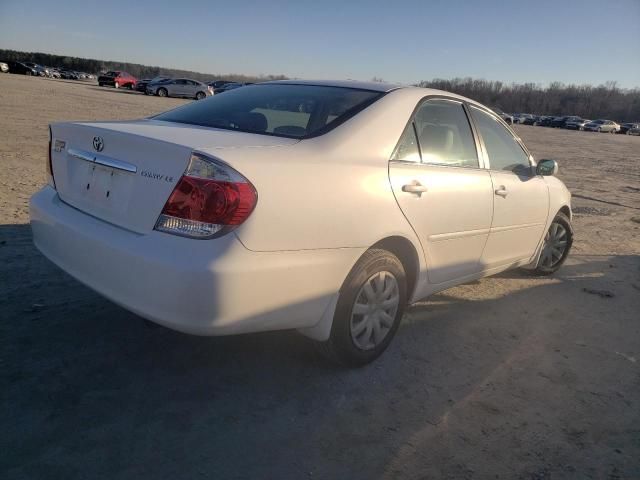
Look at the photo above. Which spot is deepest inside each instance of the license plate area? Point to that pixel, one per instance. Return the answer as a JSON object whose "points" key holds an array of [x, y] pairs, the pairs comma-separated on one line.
{"points": [[99, 189]]}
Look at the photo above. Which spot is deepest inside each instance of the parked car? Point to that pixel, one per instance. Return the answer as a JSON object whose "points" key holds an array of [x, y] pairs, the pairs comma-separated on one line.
{"points": [[505, 116], [234, 231], [141, 85], [117, 79], [602, 125], [634, 130], [531, 120], [69, 75], [4, 68], [228, 86], [625, 127], [41, 71], [576, 124], [21, 69], [218, 83], [180, 87], [546, 121]]}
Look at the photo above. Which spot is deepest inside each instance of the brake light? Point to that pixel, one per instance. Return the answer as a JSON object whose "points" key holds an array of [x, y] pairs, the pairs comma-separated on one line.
{"points": [[50, 180], [209, 200]]}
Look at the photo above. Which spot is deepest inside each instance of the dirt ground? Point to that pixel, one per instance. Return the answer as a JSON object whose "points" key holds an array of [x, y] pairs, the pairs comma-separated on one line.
{"points": [[510, 377]]}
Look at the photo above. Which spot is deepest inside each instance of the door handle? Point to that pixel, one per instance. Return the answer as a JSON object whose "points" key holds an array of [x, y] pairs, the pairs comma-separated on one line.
{"points": [[415, 187], [501, 191]]}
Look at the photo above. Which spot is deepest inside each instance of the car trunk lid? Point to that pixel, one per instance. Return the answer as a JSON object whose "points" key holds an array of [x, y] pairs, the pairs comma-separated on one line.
{"points": [[123, 172]]}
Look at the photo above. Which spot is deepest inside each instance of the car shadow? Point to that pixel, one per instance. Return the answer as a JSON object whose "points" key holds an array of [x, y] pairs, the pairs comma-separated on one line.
{"points": [[93, 391]]}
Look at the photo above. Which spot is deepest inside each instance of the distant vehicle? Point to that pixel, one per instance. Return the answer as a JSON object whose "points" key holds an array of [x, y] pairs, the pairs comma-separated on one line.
{"points": [[219, 83], [625, 127], [522, 118], [531, 120], [180, 87], [4, 68], [602, 125], [69, 75], [42, 71], [54, 72], [230, 86], [560, 122], [576, 124], [505, 116], [141, 85], [21, 69], [545, 121], [635, 130], [117, 79]]}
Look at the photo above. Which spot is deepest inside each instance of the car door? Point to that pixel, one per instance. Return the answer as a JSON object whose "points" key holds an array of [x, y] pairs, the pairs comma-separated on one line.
{"points": [[177, 88], [442, 189], [521, 198], [191, 89]]}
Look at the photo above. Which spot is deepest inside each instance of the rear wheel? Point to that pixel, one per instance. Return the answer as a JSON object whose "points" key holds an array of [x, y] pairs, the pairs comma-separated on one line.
{"points": [[369, 309], [116, 85], [556, 246], [162, 92]]}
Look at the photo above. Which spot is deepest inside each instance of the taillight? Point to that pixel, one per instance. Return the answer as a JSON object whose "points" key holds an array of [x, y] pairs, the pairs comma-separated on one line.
{"points": [[50, 180], [210, 200]]}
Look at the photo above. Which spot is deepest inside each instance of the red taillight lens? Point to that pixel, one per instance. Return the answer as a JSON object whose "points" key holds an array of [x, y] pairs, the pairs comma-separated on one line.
{"points": [[209, 200]]}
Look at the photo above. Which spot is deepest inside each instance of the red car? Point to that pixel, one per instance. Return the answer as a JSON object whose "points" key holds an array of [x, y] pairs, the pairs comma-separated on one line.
{"points": [[117, 79]]}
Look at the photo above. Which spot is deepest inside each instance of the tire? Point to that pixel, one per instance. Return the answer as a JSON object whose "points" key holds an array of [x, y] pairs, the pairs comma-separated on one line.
{"points": [[101, 84], [599, 130], [130, 86], [353, 341], [116, 85], [545, 267], [162, 92], [200, 95]]}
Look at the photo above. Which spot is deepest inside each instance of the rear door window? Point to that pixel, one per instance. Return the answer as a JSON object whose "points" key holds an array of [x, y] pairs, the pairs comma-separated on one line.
{"points": [[439, 134]]}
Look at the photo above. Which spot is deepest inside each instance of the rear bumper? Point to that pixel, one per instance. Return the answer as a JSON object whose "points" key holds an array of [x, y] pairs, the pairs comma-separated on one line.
{"points": [[202, 287]]}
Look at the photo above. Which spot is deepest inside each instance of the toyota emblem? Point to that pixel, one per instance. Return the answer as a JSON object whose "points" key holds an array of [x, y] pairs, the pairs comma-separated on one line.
{"points": [[98, 144]]}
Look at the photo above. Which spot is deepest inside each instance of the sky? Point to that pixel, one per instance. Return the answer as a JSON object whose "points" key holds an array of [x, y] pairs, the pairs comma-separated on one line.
{"points": [[572, 41]]}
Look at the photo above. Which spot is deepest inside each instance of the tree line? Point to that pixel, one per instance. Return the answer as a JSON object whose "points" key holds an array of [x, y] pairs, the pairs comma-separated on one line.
{"points": [[603, 101], [91, 65]]}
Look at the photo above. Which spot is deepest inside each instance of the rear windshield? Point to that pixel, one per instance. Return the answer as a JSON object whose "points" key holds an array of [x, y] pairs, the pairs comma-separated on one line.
{"points": [[294, 111]]}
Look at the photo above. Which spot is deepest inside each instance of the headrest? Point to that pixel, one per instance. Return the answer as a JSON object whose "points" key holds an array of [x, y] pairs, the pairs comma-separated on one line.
{"points": [[436, 139]]}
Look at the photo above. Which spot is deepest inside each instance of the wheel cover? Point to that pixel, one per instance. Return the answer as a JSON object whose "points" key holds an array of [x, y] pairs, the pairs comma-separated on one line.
{"points": [[555, 245], [374, 310]]}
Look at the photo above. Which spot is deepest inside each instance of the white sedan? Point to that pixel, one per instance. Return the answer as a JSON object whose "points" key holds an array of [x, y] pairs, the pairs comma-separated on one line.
{"points": [[325, 207]]}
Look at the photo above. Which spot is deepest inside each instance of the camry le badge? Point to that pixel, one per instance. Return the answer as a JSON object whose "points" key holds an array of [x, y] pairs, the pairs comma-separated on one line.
{"points": [[98, 144]]}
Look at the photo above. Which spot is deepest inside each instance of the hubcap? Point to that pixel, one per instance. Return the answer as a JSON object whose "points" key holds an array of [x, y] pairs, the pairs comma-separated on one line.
{"points": [[374, 310], [555, 244]]}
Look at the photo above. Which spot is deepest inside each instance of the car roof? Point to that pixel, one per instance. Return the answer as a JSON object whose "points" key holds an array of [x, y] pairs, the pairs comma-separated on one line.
{"points": [[374, 86]]}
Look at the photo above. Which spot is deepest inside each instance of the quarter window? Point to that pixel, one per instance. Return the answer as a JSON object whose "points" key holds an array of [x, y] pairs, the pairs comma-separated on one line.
{"points": [[504, 151]]}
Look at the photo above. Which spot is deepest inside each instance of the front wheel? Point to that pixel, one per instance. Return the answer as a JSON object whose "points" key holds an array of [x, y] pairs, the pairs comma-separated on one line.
{"points": [[162, 92], [116, 85], [556, 246], [200, 95], [369, 309]]}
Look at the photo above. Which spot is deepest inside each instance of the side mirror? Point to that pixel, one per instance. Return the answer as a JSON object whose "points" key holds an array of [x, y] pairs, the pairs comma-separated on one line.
{"points": [[547, 167]]}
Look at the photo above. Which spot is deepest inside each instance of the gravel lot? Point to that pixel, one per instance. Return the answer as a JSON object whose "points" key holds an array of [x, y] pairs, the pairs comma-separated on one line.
{"points": [[509, 377]]}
